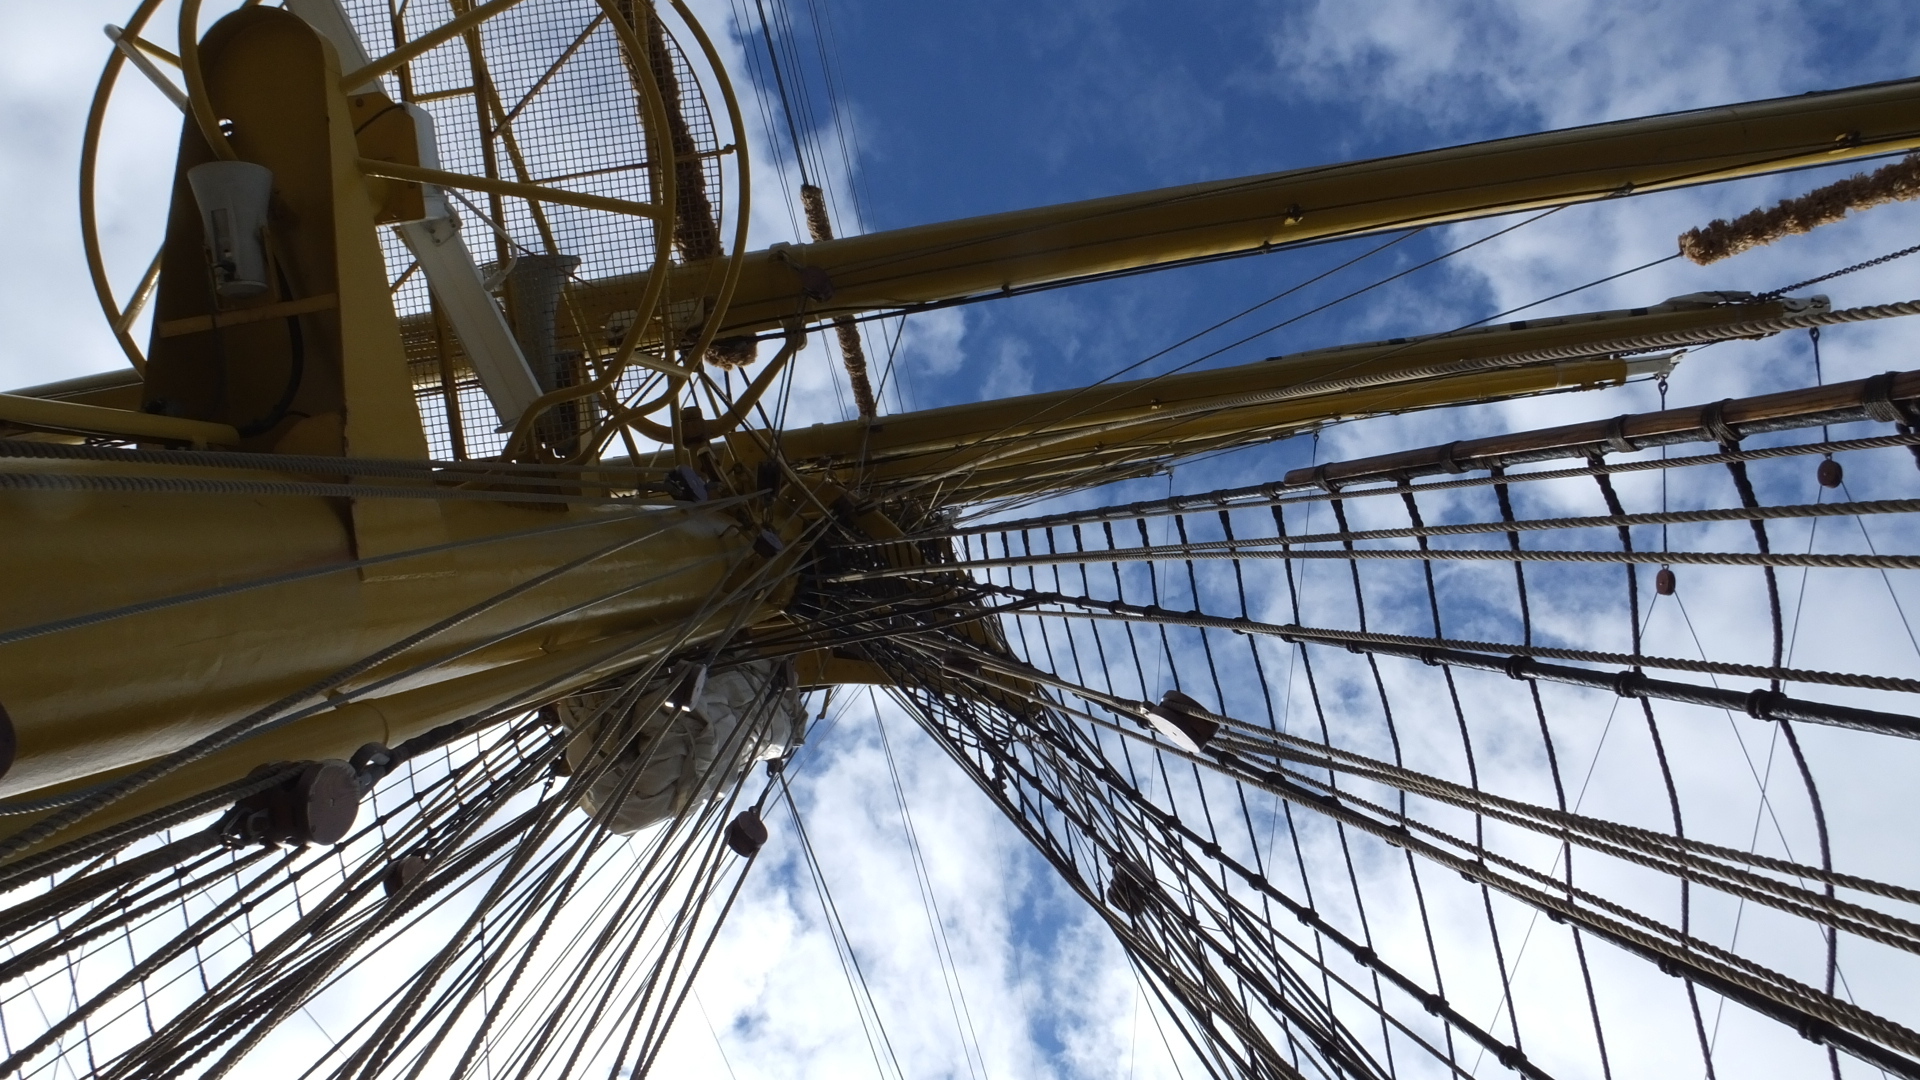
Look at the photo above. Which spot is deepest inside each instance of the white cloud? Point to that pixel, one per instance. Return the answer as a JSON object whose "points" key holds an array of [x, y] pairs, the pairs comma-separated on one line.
{"points": [[1455, 66], [54, 326], [1030, 963]]}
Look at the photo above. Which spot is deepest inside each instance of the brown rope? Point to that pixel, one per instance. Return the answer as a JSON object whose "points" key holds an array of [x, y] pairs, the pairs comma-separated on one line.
{"points": [[851, 352], [1821, 206], [696, 224]]}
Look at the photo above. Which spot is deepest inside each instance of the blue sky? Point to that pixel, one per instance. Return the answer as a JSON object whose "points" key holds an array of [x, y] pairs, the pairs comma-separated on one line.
{"points": [[961, 109]]}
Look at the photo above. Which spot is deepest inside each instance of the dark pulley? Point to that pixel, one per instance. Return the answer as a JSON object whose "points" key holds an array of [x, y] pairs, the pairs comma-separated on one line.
{"points": [[316, 805], [746, 833], [326, 800], [1127, 892], [1830, 473], [402, 872], [686, 484], [1664, 582]]}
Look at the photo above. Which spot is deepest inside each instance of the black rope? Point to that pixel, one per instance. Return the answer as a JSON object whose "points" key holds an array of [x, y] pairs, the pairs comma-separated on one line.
{"points": [[779, 80]]}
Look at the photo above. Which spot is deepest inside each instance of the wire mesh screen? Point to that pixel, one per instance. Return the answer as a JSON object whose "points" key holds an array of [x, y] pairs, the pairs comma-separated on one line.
{"points": [[543, 93]]}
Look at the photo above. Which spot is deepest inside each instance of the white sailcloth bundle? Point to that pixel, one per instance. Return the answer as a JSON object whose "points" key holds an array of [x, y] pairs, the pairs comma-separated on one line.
{"points": [[684, 756]]}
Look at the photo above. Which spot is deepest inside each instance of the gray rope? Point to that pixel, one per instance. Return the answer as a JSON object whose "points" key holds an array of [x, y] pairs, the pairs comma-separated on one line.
{"points": [[161, 603], [1676, 558], [1325, 635], [1596, 521], [245, 726], [1748, 329], [505, 471], [1255, 496], [171, 485]]}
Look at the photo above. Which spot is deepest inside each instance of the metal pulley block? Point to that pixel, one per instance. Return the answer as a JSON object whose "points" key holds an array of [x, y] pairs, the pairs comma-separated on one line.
{"points": [[402, 872], [1829, 473], [316, 804], [746, 833], [685, 484]]}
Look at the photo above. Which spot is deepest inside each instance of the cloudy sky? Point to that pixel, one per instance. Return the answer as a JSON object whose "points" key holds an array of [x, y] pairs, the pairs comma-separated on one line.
{"points": [[950, 110]]}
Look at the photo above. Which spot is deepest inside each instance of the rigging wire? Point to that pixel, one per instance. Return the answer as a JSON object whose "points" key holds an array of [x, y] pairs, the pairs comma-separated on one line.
{"points": [[708, 1020], [1350, 295], [1054, 818], [843, 944], [780, 83], [936, 924]]}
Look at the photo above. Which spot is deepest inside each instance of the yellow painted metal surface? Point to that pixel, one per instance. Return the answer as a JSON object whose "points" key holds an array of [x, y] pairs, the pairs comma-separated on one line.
{"points": [[980, 445], [684, 575], [108, 389], [91, 699], [388, 720], [264, 71], [930, 263], [45, 414]]}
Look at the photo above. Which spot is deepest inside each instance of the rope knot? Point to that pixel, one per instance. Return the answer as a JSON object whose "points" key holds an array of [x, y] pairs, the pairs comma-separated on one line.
{"points": [[1761, 702], [1630, 684], [1714, 422]]}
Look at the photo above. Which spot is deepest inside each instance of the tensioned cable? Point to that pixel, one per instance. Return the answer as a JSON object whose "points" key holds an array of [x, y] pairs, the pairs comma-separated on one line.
{"points": [[414, 1000], [285, 881], [1090, 406], [338, 699], [1677, 558], [1042, 835], [837, 929], [1332, 379], [1597, 521], [1271, 494], [180, 485], [1722, 964], [1564, 825], [143, 607], [1039, 642], [936, 925], [1115, 610], [909, 309], [112, 792], [498, 471], [1251, 182], [1646, 343]]}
